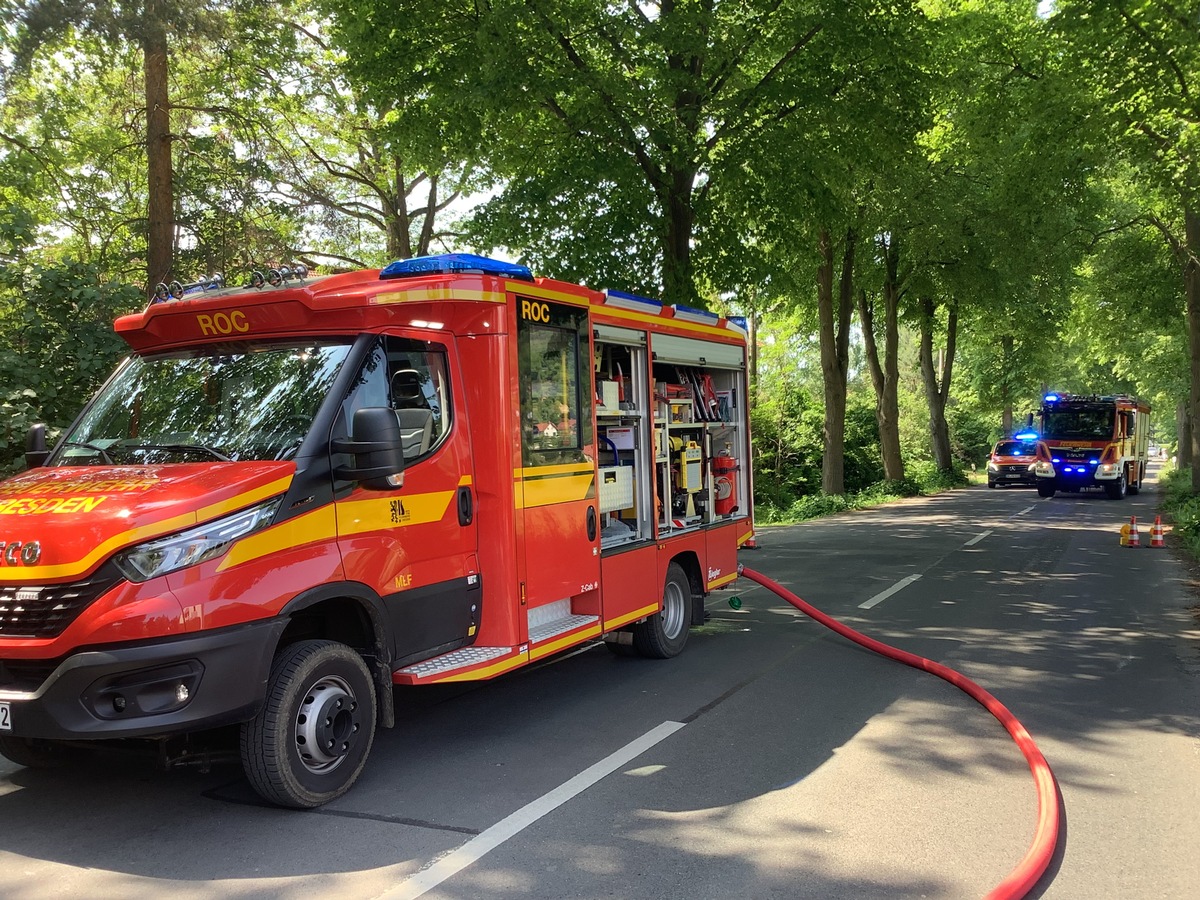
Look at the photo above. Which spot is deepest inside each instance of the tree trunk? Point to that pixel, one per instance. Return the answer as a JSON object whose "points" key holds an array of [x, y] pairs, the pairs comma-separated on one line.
{"points": [[752, 353], [678, 284], [395, 211], [1191, 281], [1183, 432], [886, 376], [1006, 398], [835, 356], [160, 211], [431, 211], [937, 385]]}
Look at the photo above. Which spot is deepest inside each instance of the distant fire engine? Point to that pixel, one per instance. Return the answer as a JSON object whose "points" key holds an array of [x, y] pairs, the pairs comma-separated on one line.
{"points": [[1092, 441], [294, 495]]}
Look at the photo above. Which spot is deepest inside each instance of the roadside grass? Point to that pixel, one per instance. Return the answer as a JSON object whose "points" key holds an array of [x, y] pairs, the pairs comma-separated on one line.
{"points": [[921, 479], [1182, 503]]}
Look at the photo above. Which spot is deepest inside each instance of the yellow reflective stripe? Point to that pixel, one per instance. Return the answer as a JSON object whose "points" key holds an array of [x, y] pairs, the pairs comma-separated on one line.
{"points": [[528, 290], [318, 525], [487, 671], [548, 471], [435, 294], [244, 500], [377, 514], [558, 489], [717, 582], [662, 321], [574, 638], [610, 624], [126, 538]]}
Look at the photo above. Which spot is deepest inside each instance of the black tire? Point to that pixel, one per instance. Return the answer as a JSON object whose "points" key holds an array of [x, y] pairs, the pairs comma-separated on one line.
{"points": [[310, 740], [1045, 490], [33, 754], [1116, 490], [665, 633], [991, 484]]}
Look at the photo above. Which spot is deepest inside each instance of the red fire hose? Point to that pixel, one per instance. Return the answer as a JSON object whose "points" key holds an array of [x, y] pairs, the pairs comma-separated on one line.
{"points": [[1037, 858]]}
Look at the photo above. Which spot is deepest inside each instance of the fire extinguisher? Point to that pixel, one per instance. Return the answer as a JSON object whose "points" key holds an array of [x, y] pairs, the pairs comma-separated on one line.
{"points": [[724, 468]]}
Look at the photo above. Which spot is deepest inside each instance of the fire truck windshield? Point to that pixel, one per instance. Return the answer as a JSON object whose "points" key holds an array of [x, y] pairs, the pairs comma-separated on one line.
{"points": [[240, 402], [1090, 423]]}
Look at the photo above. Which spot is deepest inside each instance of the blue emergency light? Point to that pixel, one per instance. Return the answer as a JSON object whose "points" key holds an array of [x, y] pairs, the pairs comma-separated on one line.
{"points": [[1051, 398], [452, 263], [1026, 436]]}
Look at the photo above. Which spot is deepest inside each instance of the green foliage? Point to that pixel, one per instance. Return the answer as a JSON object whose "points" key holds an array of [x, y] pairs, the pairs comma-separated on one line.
{"points": [[1182, 503], [924, 478], [56, 344]]}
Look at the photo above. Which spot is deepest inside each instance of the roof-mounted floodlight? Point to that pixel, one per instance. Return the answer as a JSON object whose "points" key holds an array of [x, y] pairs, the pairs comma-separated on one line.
{"points": [[454, 263], [625, 300]]}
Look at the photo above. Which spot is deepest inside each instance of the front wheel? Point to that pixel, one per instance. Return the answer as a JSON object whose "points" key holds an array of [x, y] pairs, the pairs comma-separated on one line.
{"points": [[663, 634], [1045, 489], [1116, 489], [310, 740]]}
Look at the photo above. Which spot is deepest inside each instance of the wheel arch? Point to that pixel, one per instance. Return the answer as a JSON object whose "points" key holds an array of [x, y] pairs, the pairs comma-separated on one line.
{"points": [[350, 613], [689, 561]]}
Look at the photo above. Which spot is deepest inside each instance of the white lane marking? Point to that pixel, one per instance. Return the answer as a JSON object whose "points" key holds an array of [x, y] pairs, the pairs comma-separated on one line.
{"points": [[1022, 512], [975, 540], [484, 842], [898, 586]]}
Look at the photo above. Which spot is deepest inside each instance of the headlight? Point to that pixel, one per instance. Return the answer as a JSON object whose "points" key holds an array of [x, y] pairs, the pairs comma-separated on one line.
{"points": [[992, 467], [1043, 468], [194, 546]]}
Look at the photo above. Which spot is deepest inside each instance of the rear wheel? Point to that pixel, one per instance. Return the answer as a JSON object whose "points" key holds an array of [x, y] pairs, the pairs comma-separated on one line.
{"points": [[1045, 489], [310, 740], [663, 634]]}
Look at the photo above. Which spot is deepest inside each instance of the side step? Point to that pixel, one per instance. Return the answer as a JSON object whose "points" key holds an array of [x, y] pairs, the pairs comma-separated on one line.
{"points": [[481, 663]]}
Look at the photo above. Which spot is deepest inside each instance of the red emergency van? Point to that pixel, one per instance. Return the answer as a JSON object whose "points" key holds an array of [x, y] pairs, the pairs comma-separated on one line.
{"points": [[294, 495]]}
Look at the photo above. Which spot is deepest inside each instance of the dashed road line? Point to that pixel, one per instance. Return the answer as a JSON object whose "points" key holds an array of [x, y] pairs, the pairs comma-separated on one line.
{"points": [[479, 846], [883, 595]]}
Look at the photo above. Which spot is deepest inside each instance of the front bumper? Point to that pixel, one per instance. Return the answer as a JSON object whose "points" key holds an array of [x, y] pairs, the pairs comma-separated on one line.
{"points": [[149, 689], [1017, 473]]}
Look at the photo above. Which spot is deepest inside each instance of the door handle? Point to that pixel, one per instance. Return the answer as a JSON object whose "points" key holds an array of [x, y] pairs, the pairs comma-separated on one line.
{"points": [[591, 523], [466, 506]]}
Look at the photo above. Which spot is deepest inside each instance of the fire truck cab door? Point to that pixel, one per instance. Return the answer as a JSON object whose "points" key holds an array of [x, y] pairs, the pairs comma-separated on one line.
{"points": [[558, 518], [416, 546]]}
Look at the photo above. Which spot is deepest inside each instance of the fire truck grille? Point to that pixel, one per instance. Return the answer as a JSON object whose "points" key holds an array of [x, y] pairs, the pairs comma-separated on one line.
{"points": [[44, 611]]}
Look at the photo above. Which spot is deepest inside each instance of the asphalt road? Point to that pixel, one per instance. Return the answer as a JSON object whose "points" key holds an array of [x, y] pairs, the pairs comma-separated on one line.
{"points": [[771, 759]]}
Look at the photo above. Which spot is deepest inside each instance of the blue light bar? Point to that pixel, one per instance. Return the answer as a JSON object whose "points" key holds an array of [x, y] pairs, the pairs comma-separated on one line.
{"points": [[1026, 436], [451, 263], [1051, 398]]}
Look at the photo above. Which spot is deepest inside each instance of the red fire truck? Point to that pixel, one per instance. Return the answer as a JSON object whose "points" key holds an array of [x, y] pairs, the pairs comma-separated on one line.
{"points": [[1092, 441], [294, 495]]}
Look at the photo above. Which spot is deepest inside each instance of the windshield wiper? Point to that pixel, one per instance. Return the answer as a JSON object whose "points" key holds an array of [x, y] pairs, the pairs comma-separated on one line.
{"points": [[85, 445], [180, 448]]}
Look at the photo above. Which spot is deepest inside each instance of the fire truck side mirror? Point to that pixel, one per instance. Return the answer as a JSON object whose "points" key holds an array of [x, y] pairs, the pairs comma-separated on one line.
{"points": [[36, 453], [377, 448]]}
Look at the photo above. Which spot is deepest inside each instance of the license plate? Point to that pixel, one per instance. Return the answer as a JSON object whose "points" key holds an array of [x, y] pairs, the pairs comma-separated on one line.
{"points": [[5, 717], [1012, 476]]}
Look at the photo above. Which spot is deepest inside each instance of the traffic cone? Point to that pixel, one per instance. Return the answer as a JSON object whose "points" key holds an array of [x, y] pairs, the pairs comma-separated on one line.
{"points": [[1156, 533], [1129, 533]]}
